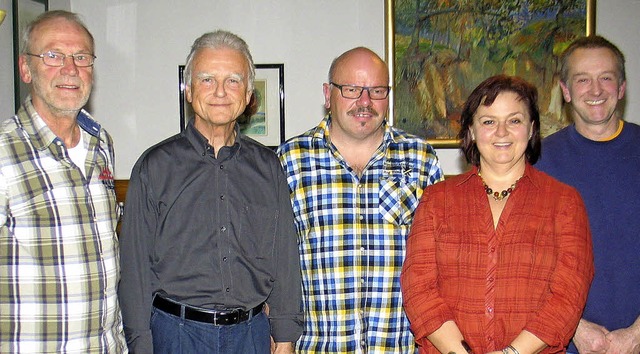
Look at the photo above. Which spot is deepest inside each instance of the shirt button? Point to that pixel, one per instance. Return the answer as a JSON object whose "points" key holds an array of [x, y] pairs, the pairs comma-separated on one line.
{"points": [[491, 279], [361, 217], [222, 167], [227, 289], [224, 259], [222, 197], [223, 229], [493, 249], [490, 309]]}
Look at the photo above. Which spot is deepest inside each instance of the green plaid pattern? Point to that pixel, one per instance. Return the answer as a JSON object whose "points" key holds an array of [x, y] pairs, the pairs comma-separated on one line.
{"points": [[58, 248]]}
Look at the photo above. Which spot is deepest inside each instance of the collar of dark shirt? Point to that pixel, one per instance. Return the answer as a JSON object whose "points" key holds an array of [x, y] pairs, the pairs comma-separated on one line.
{"points": [[202, 146]]}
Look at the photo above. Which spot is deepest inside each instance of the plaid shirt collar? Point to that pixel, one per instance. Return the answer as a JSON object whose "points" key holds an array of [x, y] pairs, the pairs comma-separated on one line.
{"points": [[41, 135]]}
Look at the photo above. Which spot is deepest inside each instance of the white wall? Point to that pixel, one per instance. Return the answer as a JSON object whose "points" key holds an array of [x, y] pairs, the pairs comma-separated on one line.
{"points": [[617, 20], [140, 43]]}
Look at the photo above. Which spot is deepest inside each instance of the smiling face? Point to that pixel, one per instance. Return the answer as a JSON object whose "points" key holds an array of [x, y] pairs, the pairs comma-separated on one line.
{"points": [[593, 89], [357, 119], [219, 86], [58, 91], [502, 131]]}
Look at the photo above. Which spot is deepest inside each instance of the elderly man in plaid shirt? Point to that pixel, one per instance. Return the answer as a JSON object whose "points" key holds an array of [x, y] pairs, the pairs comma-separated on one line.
{"points": [[355, 182], [58, 247]]}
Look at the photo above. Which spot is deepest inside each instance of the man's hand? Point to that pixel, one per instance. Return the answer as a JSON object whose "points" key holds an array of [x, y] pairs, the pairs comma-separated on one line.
{"points": [[283, 348], [591, 338], [624, 340]]}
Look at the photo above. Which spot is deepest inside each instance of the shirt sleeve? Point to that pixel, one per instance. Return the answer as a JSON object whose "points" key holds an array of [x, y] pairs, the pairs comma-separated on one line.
{"points": [[4, 200], [425, 309], [285, 301], [135, 292], [558, 316]]}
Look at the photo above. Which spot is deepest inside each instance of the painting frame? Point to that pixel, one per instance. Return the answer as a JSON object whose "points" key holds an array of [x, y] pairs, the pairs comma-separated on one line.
{"points": [[23, 12], [390, 53], [270, 94]]}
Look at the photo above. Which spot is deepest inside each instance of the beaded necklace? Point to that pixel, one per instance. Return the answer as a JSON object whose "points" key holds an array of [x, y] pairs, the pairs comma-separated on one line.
{"points": [[498, 196]]}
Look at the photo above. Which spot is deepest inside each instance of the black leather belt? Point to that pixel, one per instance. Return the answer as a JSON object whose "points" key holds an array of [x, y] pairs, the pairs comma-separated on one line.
{"points": [[218, 318]]}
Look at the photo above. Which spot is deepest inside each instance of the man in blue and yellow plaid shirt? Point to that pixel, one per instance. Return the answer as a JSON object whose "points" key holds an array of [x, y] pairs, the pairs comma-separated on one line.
{"points": [[355, 183]]}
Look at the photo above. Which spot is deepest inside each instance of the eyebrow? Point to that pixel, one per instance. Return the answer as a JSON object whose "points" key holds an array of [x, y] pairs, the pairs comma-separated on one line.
{"points": [[204, 75], [584, 73], [509, 115]]}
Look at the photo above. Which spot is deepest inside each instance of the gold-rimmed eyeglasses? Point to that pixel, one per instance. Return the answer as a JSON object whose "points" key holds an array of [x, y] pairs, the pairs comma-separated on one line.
{"points": [[57, 59]]}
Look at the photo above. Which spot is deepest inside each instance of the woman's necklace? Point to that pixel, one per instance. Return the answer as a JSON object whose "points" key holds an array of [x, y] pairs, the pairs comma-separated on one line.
{"points": [[498, 196]]}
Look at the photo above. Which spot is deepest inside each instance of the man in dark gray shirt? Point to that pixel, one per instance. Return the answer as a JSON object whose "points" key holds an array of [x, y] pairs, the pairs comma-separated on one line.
{"points": [[208, 235]]}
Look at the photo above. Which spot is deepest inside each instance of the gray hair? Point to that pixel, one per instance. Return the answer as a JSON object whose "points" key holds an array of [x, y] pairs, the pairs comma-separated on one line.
{"points": [[220, 39], [48, 16]]}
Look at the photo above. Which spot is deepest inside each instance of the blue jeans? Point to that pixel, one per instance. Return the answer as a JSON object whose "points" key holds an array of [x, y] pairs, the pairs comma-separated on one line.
{"points": [[172, 335]]}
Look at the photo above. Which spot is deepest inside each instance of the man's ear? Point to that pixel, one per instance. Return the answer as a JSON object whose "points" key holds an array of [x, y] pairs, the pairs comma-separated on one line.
{"points": [[622, 89], [565, 92], [187, 93], [326, 89], [249, 97], [25, 71]]}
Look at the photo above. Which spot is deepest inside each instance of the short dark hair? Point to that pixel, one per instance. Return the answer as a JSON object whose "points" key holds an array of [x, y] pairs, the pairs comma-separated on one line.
{"points": [[485, 94], [591, 42]]}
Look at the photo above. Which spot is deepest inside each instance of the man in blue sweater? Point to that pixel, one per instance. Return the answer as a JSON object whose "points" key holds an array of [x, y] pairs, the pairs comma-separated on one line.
{"points": [[599, 154]]}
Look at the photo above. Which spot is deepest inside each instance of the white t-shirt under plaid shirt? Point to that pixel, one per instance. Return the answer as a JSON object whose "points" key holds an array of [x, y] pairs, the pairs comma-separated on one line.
{"points": [[58, 248], [352, 232]]}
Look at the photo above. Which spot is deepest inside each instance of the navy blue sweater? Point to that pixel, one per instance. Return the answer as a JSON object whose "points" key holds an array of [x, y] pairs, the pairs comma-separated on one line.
{"points": [[607, 175]]}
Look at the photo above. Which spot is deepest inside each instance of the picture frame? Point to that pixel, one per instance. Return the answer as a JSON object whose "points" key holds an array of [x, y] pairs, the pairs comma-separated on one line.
{"points": [[265, 126], [437, 55], [24, 11], [186, 112]]}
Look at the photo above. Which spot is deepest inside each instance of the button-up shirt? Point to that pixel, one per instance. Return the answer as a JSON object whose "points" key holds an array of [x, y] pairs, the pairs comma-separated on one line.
{"points": [[352, 234], [531, 272], [58, 246], [207, 231]]}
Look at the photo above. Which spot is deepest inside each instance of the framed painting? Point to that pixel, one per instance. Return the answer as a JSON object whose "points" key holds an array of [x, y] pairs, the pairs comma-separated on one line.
{"points": [[186, 112], [266, 125], [24, 11], [439, 51]]}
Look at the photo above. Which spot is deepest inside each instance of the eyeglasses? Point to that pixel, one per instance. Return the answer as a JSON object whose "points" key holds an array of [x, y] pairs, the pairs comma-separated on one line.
{"points": [[57, 59], [354, 92]]}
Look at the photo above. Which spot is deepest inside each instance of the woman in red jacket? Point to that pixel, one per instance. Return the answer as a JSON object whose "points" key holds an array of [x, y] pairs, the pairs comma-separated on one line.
{"points": [[499, 258]]}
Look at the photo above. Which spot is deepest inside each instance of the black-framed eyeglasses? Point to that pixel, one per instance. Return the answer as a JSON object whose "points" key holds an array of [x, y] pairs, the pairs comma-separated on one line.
{"points": [[354, 92], [57, 59]]}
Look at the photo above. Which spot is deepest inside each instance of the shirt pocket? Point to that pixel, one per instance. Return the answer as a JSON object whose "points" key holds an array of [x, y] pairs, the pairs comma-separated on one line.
{"points": [[258, 232], [398, 200]]}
